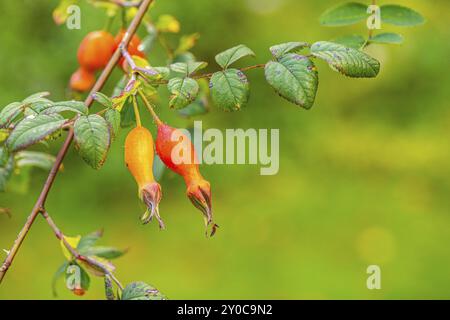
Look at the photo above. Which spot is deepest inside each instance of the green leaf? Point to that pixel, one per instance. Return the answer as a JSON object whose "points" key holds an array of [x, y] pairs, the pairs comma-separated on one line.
{"points": [[353, 41], [33, 129], [37, 107], [164, 72], [103, 99], [112, 116], [348, 61], [188, 68], [10, 113], [230, 56], [36, 159], [281, 49], [6, 168], [295, 78], [58, 274], [87, 241], [109, 289], [141, 291], [387, 38], [197, 108], [104, 252], [401, 16], [183, 90], [92, 138], [230, 89], [344, 14], [127, 116], [36, 98], [71, 106]]}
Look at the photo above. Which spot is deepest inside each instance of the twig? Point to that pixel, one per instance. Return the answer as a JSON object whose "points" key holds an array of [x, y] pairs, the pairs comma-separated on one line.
{"points": [[132, 64], [209, 75], [123, 3], [63, 151], [73, 251]]}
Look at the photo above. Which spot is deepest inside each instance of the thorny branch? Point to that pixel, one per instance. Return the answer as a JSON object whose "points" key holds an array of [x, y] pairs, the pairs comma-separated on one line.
{"points": [[73, 251], [40, 203]]}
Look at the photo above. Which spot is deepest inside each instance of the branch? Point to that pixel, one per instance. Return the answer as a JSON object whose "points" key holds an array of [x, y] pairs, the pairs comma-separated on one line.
{"points": [[209, 75], [73, 251], [123, 3], [40, 203]]}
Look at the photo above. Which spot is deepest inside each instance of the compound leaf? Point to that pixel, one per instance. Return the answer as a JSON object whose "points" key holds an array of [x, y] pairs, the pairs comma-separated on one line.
{"points": [[387, 38]]}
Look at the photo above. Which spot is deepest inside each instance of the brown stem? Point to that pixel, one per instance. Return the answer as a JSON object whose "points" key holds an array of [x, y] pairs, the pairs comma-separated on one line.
{"points": [[73, 251], [63, 151]]}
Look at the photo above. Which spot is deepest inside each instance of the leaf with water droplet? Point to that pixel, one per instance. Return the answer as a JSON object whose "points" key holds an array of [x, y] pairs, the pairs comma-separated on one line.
{"points": [[33, 129]]}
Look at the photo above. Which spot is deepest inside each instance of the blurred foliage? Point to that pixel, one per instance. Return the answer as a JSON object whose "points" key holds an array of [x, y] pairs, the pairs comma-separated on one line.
{"points": [[364, 176]]}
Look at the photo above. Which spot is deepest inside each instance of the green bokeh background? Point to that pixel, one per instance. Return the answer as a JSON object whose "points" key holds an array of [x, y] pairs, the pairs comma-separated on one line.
{"points": [[364, 176]]}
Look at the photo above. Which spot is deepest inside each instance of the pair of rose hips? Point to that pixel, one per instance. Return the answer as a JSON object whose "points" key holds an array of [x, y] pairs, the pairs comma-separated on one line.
{"points": [[139, 156], [94, 53]]}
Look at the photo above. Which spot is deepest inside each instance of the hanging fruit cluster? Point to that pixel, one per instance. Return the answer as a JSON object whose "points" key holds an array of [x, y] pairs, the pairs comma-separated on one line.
{"points": [[139, 157]]}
